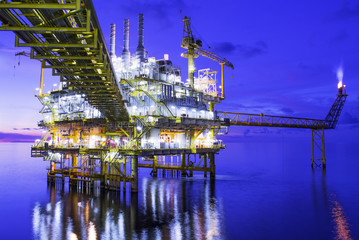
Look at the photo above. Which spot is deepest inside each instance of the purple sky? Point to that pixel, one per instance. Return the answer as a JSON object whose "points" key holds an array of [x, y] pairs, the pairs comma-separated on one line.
{"points": [[285, 54]]}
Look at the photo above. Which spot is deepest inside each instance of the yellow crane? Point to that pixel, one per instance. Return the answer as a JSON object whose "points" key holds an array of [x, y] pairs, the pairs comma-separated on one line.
{"points": [[194, 48]]}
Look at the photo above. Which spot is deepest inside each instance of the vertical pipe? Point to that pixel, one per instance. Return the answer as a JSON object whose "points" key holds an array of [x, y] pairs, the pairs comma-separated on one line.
{"points": [[126, 42], [102, 173], [212, 166], [110, 171], [312, 147], [134, 174], [74, 163], [124, 174], [222, 80], [183, 165], [113, 41], [211, 108], [42, 78], [205, 164], [191, 67], [117, 177], [106, 175], [323, 149], [191, 166], [154, 171], [140, 50]]}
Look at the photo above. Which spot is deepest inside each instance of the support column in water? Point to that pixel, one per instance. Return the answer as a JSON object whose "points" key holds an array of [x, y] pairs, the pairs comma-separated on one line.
{"points": [[103, 173], [183, 165], [134, 174], [154, 170], [124, 174], [212, 165], [205, 164], [74, 163]]}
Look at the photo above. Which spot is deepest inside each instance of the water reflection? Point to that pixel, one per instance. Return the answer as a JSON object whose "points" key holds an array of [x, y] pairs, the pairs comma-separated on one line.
{"points": [[332, 207], [164, 209]]}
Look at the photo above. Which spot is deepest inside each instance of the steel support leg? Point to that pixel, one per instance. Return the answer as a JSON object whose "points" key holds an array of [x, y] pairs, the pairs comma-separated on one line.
{"points": [[318, 148], [154, 171], [124, 174], [134, 174], [74, 163], [212, 165], [190, 166], [103, 173], [205, 164], [183, 165]]}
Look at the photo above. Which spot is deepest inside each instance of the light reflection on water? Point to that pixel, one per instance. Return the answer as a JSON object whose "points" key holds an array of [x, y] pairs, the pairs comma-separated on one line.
{"points": [[342, 227], [162, 210], [256, 195], [332, 206]]}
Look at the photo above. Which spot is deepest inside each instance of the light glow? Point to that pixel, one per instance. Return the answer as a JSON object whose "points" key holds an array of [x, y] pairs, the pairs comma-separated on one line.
{"points": [[340, 85], [340, 77]]}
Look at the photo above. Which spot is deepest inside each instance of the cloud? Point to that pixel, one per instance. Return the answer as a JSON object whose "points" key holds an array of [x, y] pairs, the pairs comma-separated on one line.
{"points": [[350, 119], [240, 105], [262, 134], [26, 129], [9, 50], [345, 11], [16, 137], [339, 37], [163, 10], [287, 110], [246, 51]]}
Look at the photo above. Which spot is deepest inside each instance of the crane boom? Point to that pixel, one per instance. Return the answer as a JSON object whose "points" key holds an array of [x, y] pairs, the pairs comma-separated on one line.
{"points": [[193, 47], [214, 57]]}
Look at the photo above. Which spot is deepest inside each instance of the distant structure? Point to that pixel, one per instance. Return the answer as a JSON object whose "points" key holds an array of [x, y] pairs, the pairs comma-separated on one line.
{"points": [[112, 115], [171, 125], [140, 50], [113, 41]]}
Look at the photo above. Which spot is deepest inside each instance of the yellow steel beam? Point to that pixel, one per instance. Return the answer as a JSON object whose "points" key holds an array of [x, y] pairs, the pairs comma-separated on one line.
{"points": [[89, 86], [86, 81], [81, 74], [58, 45], [43, 29], [74, 67], [124, 132], [62, 45], [90, 57], [60, 17], [198, 133], [55, 6], [222, 80]]}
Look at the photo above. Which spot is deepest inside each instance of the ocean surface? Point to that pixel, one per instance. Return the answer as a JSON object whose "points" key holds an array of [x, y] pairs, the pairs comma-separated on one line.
{"points": [[263, 190]]}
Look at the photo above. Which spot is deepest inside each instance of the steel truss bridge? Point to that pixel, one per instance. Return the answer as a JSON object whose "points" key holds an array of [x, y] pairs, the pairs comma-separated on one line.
{"points": [[316, 125], [65, 35]]}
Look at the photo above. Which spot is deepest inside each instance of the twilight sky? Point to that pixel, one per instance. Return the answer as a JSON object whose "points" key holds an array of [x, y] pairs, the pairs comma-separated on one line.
{"points": [[285, 53]]}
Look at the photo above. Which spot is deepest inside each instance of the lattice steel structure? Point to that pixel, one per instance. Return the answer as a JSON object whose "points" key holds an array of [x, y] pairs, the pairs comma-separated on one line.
{"points": [[112, 115], [317, 126]]}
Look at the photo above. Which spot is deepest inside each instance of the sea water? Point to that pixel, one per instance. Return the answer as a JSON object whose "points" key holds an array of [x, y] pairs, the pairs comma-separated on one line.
{"points": [[262, 190]]}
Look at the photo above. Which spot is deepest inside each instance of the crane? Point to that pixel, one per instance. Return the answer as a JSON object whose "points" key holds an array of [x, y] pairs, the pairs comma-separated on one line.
{"points": [[194, 48]]}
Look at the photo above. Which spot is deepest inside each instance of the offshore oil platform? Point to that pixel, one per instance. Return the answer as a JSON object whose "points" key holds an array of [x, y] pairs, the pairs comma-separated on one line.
{"points": [[114, 114]]}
